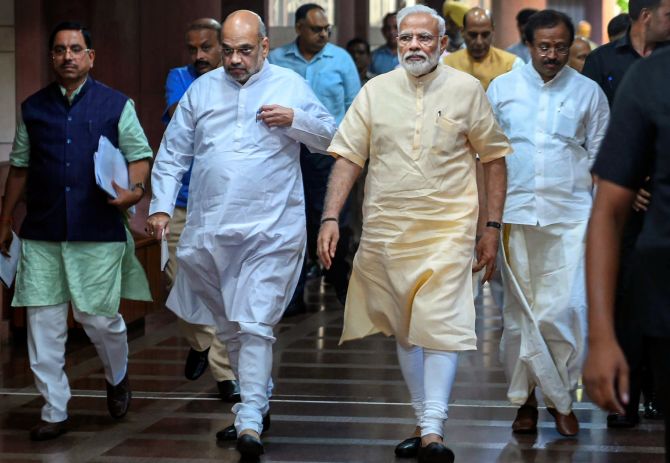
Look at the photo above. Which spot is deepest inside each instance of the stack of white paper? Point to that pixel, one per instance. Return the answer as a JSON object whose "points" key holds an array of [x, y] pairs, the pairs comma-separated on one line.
{"points": [[110, 164], [9, 264], [165, 253]]}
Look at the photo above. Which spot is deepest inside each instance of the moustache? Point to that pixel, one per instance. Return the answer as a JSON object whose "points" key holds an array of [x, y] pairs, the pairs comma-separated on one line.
{"points": [[420, 54], [551, 61], [201, 63]]}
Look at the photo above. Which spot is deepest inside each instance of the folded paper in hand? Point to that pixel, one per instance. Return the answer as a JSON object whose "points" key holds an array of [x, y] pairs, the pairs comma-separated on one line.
{"points": [[110, 164], [9, 264], [165, 253]]}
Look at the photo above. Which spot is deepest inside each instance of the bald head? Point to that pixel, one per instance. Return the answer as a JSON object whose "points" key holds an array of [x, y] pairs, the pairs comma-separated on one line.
{"points": [[247, 21], [245, 44], [579, 50], [478, 33]]}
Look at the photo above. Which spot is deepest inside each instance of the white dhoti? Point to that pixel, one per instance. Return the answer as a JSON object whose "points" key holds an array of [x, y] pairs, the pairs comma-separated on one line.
{"points": [[544, 311]]}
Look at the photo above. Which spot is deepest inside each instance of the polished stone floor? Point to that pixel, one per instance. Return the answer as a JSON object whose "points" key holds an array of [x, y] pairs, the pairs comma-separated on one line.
{"points": [[331, 404]]}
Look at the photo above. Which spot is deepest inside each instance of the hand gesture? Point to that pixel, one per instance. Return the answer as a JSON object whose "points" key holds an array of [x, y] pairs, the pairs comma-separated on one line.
{"points": [[326, 243], [276, 116], [125, 198], [642, 200], [157, 225], [5, 238], [486, 249], [606, 376]]}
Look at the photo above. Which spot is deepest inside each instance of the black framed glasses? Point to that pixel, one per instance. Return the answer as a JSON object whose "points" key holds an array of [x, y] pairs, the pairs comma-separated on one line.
{"points": [[544, 50]]}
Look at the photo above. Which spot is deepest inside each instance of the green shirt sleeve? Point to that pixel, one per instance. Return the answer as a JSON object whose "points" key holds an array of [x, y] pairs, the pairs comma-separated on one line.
{"points": [[132, 140], [20, 156]]}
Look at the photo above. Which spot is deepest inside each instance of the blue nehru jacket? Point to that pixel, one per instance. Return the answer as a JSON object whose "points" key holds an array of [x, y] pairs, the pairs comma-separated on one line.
{"points": [[63, 201], [178, 81]]}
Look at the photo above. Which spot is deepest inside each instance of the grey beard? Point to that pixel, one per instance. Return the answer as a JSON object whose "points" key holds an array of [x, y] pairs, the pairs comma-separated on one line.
{"points": [[420, 68]]}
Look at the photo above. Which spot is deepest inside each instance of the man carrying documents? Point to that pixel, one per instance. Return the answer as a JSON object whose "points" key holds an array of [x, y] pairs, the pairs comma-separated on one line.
{"points": [[75, 248]]}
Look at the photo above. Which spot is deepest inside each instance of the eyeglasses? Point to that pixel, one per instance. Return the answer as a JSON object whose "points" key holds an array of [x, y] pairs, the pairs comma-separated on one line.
{"points": [[424, 38], [544, 50], [244, 51], [319, 29], [75, 50]]}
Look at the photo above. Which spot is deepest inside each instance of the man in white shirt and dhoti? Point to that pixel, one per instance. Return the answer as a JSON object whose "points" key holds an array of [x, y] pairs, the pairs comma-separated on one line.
{"points": [[420, 127], [556, 120], [244, 240]]}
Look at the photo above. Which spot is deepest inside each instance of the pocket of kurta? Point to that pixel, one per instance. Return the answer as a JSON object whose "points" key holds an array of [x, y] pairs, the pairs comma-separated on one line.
{"points": [[566, 125], [447, 136]]}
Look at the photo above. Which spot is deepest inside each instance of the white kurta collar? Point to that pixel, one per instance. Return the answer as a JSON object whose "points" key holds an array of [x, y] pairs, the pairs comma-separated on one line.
{"points": [[537, 78]]}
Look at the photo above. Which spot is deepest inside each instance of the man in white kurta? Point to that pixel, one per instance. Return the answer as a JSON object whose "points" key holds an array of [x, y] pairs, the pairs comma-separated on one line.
{"points": [[419, 127], [555, 119], [244, 239]]}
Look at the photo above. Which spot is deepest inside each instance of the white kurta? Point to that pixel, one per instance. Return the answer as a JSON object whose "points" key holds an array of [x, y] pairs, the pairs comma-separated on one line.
{"points": [[555, 129], [242, 247]]}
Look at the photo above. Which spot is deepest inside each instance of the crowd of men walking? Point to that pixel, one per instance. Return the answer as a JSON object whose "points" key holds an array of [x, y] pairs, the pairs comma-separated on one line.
{"points": [[443, 161]]}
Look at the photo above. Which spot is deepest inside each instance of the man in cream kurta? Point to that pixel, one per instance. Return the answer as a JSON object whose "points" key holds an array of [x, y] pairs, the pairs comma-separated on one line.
{"points": [[555, 118], [420, 127], [244, 240]]}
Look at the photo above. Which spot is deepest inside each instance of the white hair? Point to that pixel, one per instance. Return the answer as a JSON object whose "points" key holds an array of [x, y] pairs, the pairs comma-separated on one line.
{"points": [[422, 9]]}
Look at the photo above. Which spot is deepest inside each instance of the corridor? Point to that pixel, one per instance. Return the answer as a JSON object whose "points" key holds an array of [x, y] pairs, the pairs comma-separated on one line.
{"points": [[332, 404]]}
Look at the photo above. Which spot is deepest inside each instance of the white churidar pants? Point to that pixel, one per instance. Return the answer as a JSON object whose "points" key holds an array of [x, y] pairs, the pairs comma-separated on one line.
{"points": [[429, 375], [250, 353], [47, 333]]}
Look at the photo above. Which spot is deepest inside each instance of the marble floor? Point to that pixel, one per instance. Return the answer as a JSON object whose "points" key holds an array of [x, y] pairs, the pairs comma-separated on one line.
{"points": [[332, 404]]}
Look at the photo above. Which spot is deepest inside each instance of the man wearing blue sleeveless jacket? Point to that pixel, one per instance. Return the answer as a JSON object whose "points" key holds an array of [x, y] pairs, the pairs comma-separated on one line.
{"points": [[76, 248]]}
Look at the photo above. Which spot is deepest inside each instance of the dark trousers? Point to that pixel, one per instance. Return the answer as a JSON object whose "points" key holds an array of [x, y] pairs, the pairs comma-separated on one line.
{"points": [[659, 348], [315, 172], [629, 325]]}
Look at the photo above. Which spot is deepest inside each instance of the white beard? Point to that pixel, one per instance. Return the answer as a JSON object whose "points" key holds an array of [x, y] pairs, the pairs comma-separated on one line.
{"points": [[419, 68]]}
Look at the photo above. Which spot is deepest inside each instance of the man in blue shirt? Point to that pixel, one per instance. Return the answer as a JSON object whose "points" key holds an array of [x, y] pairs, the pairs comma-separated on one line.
{"points": [[385, 58], [204, 46], [332, 74]]}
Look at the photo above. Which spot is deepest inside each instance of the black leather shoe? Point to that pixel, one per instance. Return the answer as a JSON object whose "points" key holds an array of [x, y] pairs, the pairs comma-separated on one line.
{"points": [[229, 432], [436, 453], [118, 398], [617, 421], [408, 448], [652, 411], [46, 431], [196, 364], [249, 447], [229, 390]]}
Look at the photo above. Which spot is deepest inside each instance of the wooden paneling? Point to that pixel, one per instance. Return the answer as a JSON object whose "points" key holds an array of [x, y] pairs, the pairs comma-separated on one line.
{"points": [[353, 20], [257, 6], [504, 13]]}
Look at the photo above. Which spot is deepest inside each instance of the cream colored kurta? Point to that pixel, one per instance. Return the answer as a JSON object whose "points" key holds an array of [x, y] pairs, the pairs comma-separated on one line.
{"points": [[412, 274]]}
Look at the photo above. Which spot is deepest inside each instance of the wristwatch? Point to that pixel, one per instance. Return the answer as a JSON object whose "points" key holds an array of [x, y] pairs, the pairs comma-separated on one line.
{"points": [[139, 185], [491, 224]]}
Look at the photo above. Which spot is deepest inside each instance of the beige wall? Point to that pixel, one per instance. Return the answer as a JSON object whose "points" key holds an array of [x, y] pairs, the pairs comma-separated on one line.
{"points": [[7, 78]]}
